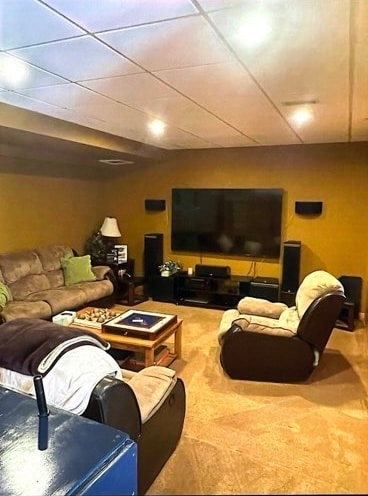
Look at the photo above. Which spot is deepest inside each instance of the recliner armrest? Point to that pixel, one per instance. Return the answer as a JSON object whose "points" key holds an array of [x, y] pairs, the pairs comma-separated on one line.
{"points": [[113, 403]]}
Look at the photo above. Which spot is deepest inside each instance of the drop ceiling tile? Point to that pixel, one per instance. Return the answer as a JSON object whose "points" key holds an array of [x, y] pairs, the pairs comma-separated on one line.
{"points": [[33, 77], [209, 5], [112, 14], [228, 91], [168, 44], [66, 95], [359, 124], [78, 59], [25, 102], [27, 22], [307, 53], [131, 88], [188, 116]]}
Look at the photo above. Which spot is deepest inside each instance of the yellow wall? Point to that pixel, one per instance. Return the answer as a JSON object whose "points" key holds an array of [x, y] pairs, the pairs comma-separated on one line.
{"points": [[40, 210], [336, 174], [59, 206]]}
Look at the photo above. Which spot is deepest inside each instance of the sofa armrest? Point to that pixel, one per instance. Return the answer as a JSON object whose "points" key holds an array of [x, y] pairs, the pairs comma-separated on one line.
{"points": [[263, 308], [113, 402], [101, 271]]}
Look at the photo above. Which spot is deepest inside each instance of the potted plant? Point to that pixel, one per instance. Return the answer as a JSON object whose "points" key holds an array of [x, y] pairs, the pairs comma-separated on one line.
{"points": [[96, 247], [169, 268]]}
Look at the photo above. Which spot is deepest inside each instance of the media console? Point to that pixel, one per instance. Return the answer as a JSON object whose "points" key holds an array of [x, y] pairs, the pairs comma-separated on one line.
{"points": [[211, 292]]}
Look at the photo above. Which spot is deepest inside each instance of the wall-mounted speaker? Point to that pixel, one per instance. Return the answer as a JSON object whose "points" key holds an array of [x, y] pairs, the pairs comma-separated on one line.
{"points": [[155, 205], [308, 207]]}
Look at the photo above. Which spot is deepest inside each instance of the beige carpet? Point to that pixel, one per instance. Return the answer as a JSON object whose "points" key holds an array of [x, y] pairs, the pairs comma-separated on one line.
{"points": [[243, 437]]}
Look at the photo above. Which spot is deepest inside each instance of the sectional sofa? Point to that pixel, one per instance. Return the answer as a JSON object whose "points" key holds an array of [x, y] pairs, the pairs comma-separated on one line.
{"points": [[45, 281]]}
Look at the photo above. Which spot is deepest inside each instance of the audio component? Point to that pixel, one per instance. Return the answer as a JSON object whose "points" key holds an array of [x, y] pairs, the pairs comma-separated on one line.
{"points": [[265, 287], [153, 253], [212, 270], [308, 207], [290, 271], [155, 205]]}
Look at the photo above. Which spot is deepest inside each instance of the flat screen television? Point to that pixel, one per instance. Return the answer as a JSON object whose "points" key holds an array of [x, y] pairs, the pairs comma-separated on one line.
{"points": [[241, 222]]}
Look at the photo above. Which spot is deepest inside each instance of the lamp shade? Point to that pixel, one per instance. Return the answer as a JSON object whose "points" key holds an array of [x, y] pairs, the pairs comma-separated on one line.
{"points": [[110, 228]]}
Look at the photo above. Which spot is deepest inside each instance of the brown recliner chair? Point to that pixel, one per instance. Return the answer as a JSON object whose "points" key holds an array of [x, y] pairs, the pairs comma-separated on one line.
{"points": [[114, 403], [283, 344]]}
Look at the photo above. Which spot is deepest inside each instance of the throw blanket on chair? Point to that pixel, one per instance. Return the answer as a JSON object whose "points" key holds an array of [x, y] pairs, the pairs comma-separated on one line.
{"points": [[33, 346]]}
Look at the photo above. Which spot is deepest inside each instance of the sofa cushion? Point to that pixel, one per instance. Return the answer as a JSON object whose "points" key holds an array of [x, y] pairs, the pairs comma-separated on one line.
{"points": [[19, 264], [96, 289], [151, 387], [55, 277], [16, 309], [29, 284], [77, 269], [50, 256], [60, 299]]}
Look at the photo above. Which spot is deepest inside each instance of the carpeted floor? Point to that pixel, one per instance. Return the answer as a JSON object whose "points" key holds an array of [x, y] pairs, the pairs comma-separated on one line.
{"points": [[243, 437]]}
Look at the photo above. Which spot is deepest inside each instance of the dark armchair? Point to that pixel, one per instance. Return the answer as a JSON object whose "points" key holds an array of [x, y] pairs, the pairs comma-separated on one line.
{"points": [[281, 344]]}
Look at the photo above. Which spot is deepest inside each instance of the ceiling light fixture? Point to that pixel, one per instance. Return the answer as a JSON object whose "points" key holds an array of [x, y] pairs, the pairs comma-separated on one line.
{"points": [[12, 71], [157, 127], [115, 161], [301, 116], [255, 30]]}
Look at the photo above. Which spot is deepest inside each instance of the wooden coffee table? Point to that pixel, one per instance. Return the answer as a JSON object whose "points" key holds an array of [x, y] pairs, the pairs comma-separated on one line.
{"points": [[145, 346]]}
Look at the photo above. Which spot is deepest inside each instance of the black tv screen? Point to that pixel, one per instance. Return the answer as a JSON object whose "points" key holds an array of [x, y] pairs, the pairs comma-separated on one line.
{"points": [[245, 222]]}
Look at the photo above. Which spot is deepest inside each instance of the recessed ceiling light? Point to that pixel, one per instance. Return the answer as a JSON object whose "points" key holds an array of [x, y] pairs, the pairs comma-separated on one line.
{"points": [[255, 30], [157, 127], [301, 116], [12, 71]]}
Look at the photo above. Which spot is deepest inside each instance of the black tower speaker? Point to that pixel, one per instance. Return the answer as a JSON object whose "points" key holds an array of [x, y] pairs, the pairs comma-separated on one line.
{"points": [[290, 271], [153, 253]]}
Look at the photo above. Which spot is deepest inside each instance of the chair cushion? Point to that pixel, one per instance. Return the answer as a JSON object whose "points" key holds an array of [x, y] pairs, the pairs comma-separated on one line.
{"points": [[77, 269], [151, 387], [264, 325], [313, 286], [258, 306]]}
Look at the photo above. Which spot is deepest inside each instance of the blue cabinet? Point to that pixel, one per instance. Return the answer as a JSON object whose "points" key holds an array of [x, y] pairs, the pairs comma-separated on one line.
{"points": [[62, 454]]}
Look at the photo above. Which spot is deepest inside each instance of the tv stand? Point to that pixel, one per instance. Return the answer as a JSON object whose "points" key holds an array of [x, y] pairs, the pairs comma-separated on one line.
{"points": [[211, 292]]}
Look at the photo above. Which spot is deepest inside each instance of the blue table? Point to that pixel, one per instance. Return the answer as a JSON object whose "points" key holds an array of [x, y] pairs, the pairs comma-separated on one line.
{"points": [[61, 453]]}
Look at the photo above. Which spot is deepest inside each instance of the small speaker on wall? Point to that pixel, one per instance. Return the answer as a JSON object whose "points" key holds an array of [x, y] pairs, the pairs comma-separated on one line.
{"points": [[308, 207], [155, 205]]}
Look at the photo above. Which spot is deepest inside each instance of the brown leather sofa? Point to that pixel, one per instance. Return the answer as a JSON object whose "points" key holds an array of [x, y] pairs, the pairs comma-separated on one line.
{"points": [[35, 281]]}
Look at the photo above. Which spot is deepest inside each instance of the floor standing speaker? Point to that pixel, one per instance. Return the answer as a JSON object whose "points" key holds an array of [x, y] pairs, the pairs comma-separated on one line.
{"points": [[153, 253], [290, 271]]}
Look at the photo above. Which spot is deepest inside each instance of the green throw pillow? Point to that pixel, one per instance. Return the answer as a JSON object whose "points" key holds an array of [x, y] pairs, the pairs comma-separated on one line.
{"points": [[5, 295], [77, 269]]}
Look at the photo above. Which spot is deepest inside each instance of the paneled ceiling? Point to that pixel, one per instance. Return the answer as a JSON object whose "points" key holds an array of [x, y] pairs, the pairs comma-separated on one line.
{"points": [[114, 65]]}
